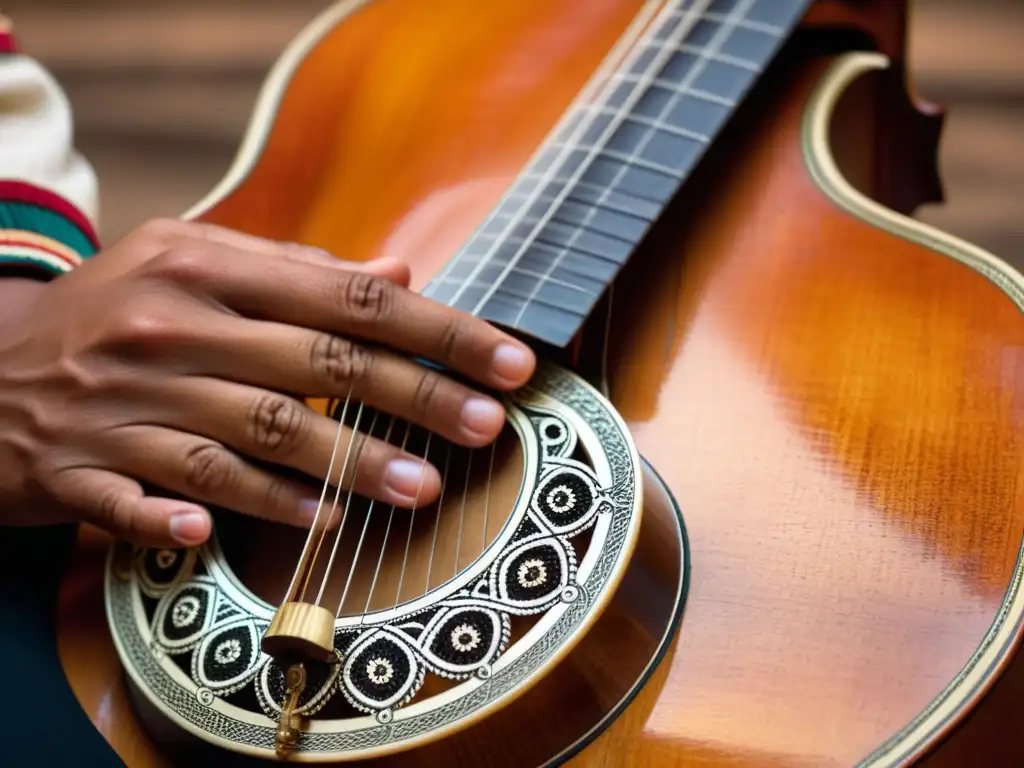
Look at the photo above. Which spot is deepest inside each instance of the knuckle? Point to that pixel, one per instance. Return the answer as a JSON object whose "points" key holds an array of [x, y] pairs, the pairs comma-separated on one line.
{"points": [[135, 324], [184, 265], [450, 339], [366, 297], [41, 476], [112, 510], [161, 230], [277, 423], [279, 497], [426, 392], [209, 469], [335, 360]]}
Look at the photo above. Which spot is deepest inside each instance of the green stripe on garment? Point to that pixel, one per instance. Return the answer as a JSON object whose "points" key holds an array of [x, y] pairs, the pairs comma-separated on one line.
{"points": [[46, 222]]}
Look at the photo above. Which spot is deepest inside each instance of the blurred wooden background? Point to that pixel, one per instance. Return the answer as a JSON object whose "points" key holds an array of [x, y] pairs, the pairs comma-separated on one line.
{"points": [[162, 90]]}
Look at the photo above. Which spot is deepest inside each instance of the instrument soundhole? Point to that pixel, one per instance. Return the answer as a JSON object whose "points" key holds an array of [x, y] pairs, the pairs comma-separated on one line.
{"points": [[385, 557], [472, 596]]}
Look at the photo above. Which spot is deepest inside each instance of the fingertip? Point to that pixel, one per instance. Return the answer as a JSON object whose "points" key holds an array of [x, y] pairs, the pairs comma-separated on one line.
{"points": [[513, 364], [482, 419], [411, 483], [189, 524], [323, 514]]}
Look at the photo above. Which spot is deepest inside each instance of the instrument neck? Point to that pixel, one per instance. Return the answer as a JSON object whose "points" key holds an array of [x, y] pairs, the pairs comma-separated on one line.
{"points": [[544, 256]]}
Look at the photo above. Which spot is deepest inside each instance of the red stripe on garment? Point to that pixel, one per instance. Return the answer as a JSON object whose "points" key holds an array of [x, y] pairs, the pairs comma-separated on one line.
{"points": [[22, 192]]}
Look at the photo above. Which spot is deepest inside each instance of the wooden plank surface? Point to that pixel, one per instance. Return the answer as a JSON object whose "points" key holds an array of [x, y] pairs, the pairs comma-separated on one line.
{"points": [[162, 90]]}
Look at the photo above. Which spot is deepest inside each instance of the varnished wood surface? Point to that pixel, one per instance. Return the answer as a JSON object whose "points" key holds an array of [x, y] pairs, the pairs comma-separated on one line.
{"points": [[603, 669], [851, 466], [835, 409], [160, 116]]}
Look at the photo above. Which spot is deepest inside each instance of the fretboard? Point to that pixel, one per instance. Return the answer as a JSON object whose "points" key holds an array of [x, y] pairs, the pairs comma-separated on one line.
{"points": [[558, 238]]}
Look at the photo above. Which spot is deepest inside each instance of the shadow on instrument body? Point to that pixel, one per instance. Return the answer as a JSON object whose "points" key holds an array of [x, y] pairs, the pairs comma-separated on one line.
{"points": [[834, 408]]}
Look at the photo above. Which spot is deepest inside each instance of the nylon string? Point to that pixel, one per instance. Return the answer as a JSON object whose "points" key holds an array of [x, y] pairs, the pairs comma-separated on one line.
{"points": [[688, 19]]}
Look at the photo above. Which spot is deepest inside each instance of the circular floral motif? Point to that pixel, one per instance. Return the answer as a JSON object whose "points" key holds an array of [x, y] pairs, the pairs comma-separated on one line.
{"points": [[465, 638], [532, 573], [380, 668], [568, 498], [165, 558], [380, 671], [561, 499], [185, 611], [228, 651]]}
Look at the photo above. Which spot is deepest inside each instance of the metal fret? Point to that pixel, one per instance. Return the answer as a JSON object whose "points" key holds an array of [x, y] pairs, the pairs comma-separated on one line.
{"points": [[751, 24], [589, 197], [674, 89], [631, 147]]}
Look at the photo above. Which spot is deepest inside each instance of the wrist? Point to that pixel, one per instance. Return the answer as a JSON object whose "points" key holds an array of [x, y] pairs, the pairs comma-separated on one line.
{"points": [[41, 229], [16, 295]]}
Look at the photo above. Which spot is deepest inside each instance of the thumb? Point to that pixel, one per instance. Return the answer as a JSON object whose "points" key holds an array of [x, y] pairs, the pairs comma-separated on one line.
{"points": [[119, 506]]}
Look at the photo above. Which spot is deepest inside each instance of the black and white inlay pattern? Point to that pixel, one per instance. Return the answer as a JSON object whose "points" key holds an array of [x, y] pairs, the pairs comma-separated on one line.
{"points": [[463, 640], [160, 569], [567, 498], [228, 657], [201, 622], [383, 667], [185, 615], [321, 683], [382, 671]]}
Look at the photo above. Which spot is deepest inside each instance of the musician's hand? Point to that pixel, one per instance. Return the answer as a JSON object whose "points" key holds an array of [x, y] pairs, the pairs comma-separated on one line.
{"points": [[161, 361]]}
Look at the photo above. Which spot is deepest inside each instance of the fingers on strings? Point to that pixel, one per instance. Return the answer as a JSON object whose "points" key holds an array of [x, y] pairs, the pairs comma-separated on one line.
{"points": [[283, 358], [119, 506], [215, 472], [352, 303]]}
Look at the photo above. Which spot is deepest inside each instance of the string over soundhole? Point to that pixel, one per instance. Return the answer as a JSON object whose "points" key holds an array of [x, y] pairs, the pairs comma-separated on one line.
{"points": [[402, 621]]}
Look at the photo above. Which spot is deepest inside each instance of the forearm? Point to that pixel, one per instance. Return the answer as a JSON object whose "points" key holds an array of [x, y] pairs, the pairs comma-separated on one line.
{"points": [[48, 191]]}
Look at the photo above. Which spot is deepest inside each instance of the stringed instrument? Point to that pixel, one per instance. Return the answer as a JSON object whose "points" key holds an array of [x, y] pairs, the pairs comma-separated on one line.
{"points": [[760, 504]]}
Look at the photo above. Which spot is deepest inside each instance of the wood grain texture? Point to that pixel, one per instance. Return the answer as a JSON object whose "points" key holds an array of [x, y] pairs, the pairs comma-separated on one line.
{"points": [[161, 120], [836, 409], [820, 391]]}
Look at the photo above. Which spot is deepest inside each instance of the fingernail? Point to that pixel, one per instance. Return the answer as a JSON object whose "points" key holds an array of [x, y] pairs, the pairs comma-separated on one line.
{"points": [[513, 363], [307, 511], [405, 477], [189, 527], [482, 416]]}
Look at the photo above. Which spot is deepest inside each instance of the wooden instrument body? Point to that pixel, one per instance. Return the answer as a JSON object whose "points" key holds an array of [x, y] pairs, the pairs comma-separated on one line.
{"points": [[832, 400]]}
